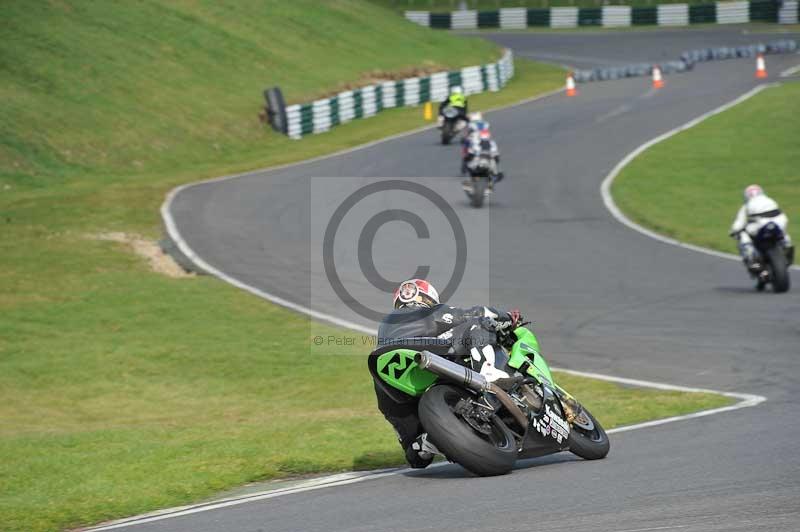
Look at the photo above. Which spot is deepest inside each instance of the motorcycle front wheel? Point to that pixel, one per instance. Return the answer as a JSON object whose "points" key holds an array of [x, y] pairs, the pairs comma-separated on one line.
{"points": [[587, 438], [482, 454]]}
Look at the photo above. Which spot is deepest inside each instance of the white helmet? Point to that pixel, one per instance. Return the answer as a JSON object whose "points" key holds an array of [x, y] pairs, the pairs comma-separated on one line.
{"points": [[415, 293], [752, 191], [456, 89], [761, 204], [477, 116]]}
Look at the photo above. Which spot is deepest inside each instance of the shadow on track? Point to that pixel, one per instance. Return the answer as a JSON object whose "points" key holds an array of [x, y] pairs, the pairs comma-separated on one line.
{"points": [[454, 471], [739, 290]]}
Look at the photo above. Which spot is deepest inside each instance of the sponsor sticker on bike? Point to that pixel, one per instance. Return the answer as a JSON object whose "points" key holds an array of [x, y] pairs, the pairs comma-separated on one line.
{"points": [[551, 424]]}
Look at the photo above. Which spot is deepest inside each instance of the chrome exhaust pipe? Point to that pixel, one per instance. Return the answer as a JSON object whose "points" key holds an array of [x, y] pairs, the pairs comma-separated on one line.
{"points": [[471, 379], [452, 371]]}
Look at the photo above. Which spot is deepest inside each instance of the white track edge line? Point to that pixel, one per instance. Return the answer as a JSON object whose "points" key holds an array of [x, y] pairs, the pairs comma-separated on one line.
{"points": [[746, 400], [605, 186], [341, 479], [790, 71]]}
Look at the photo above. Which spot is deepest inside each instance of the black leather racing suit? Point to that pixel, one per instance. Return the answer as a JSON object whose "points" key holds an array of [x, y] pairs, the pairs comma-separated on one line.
{"points": [[444, 330]]}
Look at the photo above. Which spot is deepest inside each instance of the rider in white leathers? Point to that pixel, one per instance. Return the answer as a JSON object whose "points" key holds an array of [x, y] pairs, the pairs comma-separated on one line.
{"points": [[758, 210]]}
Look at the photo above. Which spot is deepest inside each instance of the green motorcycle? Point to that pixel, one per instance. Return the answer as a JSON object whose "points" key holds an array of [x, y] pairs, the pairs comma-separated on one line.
{"points": [[485, 423]]}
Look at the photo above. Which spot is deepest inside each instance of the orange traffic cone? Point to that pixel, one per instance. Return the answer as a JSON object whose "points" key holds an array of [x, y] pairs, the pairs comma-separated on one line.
{"points": [[761, 67], [571, 90], [658, 81]]}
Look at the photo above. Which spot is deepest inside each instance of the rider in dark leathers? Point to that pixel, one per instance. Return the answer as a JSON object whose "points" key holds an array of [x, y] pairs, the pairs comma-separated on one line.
{"points": [[441, 329]]}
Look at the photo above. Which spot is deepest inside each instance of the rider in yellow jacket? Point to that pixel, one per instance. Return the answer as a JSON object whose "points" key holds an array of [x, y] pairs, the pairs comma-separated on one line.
{"points": [[457, 101]]}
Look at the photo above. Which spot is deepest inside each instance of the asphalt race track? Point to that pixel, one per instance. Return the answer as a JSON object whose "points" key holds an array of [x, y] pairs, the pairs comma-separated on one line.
{"points": [[603, 298]]}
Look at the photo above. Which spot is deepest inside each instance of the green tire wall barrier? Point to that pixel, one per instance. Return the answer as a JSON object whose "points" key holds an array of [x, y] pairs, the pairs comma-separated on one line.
{"points": [[764, 11], [321, 115], [454, 78], [702, 13], [440, 20], [729, 12], [488, 19], [400, 94], [335, 111], [425, 89], [642, 16], [590, 16], [306, 119], [538, 17]]}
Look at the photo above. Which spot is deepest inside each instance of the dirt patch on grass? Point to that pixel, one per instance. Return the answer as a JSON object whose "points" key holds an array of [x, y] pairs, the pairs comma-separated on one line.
{"points": [[159, 261]]}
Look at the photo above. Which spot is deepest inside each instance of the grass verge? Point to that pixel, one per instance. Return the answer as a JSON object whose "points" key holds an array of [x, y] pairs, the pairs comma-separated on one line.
{"points": [[690, 186]]}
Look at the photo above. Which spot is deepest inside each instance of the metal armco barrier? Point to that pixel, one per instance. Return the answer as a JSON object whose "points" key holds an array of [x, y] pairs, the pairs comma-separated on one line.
{"points": [[321, 115], [614, 16]]}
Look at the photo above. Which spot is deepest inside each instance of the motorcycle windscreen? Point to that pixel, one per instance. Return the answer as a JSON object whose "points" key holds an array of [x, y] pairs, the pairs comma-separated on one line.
{"points": [[526, 349]]}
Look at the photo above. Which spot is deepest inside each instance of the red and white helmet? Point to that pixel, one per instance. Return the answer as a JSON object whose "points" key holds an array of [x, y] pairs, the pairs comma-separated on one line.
{"points": [[415, 293], [752, 191]]}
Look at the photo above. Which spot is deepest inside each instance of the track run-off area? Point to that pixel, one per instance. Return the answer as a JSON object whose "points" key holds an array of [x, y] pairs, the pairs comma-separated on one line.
{"points": [[603, 299]]}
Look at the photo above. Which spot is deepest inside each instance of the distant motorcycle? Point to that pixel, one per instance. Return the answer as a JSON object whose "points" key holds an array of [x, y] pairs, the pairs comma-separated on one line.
{"points": [[776, 257], [483, 174], [453, 124]]}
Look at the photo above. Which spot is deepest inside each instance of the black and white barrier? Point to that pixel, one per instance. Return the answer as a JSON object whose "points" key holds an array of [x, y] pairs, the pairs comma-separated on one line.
{"points": [[783, 12], [321, 115]]}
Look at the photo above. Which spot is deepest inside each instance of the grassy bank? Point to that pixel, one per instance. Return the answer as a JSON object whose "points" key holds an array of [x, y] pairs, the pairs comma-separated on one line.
{"points": [[146, 88], [122, 390], [690, 186]]}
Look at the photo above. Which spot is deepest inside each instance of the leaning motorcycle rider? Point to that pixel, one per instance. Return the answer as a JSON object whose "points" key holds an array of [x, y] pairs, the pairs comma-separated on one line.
{"points": [[482, 142], [419, 321], [757, 211], [457, 101]]}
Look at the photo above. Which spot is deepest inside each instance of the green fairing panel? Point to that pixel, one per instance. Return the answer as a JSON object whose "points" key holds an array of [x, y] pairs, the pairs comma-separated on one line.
{"points": [[398, 369], [526, 348]]}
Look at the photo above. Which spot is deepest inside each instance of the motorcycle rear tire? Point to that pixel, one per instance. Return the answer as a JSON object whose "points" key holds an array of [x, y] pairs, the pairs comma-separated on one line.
{"points": [[461, 443], [447, 133], [778, 270]]}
